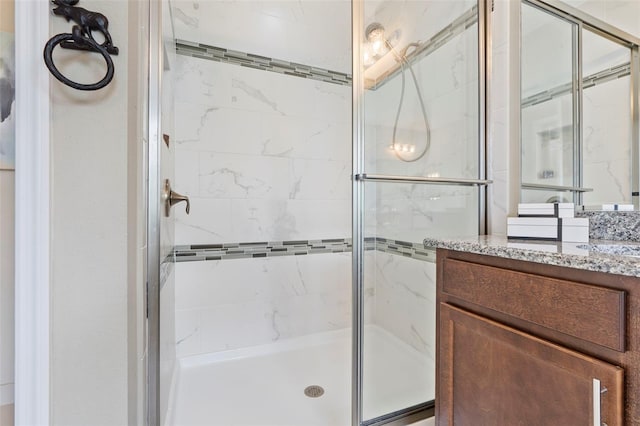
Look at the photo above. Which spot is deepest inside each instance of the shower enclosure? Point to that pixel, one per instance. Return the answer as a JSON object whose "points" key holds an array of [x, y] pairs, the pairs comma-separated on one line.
{"points": [[318, 142]]}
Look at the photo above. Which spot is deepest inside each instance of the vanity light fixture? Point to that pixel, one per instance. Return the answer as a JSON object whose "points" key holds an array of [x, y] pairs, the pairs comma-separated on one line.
{"points": [[375, 36]]}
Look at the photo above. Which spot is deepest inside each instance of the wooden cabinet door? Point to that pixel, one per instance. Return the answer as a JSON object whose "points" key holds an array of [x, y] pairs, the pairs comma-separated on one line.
{"points": [[493, 375]]}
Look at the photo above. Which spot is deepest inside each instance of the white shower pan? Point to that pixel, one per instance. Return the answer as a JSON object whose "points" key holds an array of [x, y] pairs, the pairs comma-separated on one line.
{"points": [[264, 385]]}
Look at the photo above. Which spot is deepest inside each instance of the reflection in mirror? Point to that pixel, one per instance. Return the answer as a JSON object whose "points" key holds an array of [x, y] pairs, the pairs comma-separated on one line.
{"points": [[548, 97], [577, 121], [606, 118]]}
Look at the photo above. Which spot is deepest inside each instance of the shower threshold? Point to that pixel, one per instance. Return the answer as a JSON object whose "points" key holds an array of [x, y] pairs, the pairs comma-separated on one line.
{"points": [[265, 385]]}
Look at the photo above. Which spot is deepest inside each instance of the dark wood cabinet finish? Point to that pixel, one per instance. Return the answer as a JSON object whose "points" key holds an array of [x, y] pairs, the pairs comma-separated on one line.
{"points": [[495, 375], [591, 313], [512, 333]]}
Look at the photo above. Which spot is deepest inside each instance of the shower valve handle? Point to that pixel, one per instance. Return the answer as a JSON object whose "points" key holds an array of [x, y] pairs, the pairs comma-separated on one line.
{"points": [[171, 197]]}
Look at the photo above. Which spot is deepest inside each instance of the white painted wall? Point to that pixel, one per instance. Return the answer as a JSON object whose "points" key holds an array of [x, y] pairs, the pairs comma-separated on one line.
{"points": [[7, 276], [97, 212], [7, 181]]}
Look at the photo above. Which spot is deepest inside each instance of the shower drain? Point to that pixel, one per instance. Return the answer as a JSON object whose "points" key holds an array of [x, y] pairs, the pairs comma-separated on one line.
{"points": [[314, 391]]}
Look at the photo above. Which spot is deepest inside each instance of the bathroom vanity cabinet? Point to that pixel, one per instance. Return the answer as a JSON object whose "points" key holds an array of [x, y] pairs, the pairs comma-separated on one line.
{"points": [[533, 344]]}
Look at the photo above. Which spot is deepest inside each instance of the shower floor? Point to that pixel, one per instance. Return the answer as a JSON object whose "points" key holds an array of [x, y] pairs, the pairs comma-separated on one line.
{"points": [[264, 385]]}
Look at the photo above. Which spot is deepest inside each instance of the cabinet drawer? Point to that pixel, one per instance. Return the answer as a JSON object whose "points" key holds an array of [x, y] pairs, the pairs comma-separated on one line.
{"points": [[591, 313]]}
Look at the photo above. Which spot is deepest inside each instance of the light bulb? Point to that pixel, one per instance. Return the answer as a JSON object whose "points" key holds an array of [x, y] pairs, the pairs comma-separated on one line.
{"points": [[377, 47], [367, 56], [375, 35], [412, 148]]}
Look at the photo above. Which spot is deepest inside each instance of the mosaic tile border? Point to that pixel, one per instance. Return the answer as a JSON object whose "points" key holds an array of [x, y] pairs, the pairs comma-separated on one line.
{"points": [[228, 251], [196, 252], [609, 74], [263, 63], [403, 248]]}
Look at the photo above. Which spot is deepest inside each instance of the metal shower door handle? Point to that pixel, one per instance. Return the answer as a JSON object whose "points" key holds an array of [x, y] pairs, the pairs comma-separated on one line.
{"points": [[171, 197]]}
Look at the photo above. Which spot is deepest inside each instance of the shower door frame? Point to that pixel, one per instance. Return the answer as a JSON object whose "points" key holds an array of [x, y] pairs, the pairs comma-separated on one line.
{"points": [[154, 260], [360, 177]]}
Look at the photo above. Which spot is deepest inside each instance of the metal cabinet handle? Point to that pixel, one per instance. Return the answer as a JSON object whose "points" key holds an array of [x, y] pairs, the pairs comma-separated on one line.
{"points": [[171, 197], [597, 419]]}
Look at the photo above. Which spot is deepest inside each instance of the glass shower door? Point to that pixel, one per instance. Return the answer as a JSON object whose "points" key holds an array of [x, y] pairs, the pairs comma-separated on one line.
{"points": [[419, 135]]}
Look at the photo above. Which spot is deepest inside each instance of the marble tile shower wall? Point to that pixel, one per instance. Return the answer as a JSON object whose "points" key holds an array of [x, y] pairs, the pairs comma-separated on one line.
{"points": [[404, 300], [607, 165], [229, 304], [310, 32], [263, 156]]}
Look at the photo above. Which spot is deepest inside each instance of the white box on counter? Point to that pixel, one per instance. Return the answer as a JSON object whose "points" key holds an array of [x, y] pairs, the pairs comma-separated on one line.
{"points": [[539, 228], [546, 209], [567, 229], [575, 229], [618, 207]]}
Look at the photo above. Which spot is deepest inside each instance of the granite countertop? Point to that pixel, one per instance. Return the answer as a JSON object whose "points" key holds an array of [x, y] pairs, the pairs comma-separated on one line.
{"points": [[615, 257]]}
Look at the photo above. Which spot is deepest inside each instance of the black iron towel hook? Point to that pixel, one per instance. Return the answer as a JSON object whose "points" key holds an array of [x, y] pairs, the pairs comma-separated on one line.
{"points": [[81, 38]]}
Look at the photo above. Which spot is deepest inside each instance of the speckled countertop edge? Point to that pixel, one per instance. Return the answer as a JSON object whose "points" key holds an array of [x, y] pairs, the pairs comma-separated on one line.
{"points": [[571, 255]]}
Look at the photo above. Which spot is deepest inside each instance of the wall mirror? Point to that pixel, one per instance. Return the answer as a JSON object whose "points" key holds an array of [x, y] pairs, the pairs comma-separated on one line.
{"points": [[579, 107]]}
